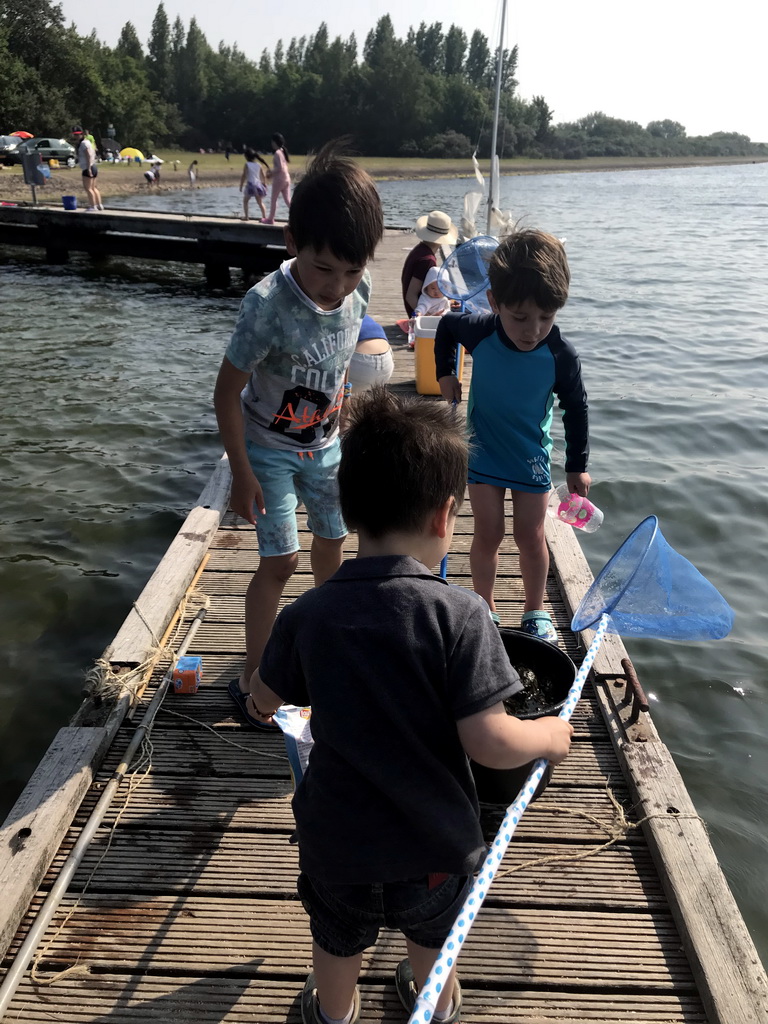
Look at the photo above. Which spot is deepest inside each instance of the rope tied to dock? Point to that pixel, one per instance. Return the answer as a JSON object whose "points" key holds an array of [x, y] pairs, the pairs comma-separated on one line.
{"points": [[102, 682], [618, 828]]}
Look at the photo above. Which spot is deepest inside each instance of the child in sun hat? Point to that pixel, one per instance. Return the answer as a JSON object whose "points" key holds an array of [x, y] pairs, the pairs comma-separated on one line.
{"points": [[406, 677], [520, 364], [434, 230]]}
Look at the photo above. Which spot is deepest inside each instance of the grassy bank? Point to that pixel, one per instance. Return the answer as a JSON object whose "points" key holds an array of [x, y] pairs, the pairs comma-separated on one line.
{"points": [[214, 170]]}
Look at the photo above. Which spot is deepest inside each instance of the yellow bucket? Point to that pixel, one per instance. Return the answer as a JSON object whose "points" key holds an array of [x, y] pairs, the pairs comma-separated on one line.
{"points": [[53, 162], [424, 349]]}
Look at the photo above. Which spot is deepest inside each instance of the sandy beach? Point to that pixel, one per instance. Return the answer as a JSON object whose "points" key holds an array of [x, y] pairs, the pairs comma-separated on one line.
{"points": [[216, 172]]}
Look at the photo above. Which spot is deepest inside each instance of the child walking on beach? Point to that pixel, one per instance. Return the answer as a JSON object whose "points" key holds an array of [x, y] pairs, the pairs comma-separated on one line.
{"points": [[281, 178], [280, 386], [406, 677], [520, 364], [254, 179]]}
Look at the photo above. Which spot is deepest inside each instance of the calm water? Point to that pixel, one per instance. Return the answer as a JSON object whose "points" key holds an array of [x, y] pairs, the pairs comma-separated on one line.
{"points": [[108, 436]]}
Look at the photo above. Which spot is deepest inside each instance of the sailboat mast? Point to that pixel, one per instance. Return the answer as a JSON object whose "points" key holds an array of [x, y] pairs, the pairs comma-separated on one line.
{"points": [[495, 133]]}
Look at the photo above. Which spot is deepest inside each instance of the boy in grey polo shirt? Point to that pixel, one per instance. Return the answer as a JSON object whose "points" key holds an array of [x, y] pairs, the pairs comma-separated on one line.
{"points": [[406, 677]]}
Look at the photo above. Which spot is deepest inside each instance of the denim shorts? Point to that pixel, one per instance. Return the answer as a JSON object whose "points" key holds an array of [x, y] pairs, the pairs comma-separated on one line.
{"points": [[345, 919], [288, 477]]}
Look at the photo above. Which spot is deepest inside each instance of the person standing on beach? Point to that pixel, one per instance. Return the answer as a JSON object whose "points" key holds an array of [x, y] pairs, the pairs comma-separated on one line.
{"points": [[192, 173], [281, 178], [86, 157]]}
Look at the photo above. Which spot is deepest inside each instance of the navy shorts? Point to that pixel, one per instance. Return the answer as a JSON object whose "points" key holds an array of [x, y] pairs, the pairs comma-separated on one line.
{"points": [[345, 919], [91, 172]]}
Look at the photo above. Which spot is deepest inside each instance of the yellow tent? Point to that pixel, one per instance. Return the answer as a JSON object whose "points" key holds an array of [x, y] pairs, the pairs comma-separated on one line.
{"points": [[131, 153]]}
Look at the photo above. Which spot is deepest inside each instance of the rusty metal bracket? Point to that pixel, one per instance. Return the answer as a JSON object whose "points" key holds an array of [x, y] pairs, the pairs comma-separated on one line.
{"points": [[630, 703]]}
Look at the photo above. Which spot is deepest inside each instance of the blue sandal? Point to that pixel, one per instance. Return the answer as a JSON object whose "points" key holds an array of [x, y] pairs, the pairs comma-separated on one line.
{"points": [[241, 700], [539, 623]]}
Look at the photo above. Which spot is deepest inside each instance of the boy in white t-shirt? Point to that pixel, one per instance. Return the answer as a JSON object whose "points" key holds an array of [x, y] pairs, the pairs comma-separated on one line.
{"points": [[281, 384]]}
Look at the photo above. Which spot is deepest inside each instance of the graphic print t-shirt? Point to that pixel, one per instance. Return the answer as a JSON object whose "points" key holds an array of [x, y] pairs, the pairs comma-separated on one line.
{"points": [[297, 355]]}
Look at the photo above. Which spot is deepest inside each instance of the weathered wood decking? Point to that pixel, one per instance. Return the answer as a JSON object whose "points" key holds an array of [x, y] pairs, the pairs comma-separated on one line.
{"points": [[185, 905]]}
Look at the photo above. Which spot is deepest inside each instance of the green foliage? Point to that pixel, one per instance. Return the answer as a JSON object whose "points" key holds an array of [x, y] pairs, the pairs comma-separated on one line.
{"points": [[429, 94]]}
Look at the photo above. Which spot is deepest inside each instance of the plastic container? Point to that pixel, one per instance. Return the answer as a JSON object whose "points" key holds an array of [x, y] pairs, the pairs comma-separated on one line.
{"points": [[574, 510], [69, 202], [424, 349], [501, 785], [187, 674]]}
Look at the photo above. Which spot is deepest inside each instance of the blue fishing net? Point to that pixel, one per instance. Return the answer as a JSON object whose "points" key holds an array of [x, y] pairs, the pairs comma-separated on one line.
{"points": [[464, 275], [650, 590]]}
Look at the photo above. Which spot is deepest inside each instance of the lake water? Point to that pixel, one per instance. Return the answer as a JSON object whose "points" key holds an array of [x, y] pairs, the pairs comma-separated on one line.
{"points": [[108, 437]]}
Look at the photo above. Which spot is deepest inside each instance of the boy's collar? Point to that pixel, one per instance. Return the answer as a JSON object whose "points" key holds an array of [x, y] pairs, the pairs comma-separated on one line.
{"points": [[380, 567]]}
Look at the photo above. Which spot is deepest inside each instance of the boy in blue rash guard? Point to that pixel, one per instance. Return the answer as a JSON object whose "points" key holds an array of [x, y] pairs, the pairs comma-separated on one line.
{"points": [[280, 387], [520, 363]]}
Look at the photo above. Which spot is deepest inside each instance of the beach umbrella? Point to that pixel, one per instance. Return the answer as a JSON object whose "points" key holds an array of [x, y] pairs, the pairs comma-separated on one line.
{"points": [[24, 135], [131, 153]]}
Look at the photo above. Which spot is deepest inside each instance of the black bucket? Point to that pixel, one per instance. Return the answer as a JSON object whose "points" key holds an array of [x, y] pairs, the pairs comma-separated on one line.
{"points": [[545, 660]]}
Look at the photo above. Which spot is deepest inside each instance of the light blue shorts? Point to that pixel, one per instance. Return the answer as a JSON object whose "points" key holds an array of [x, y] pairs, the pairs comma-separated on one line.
{"points": [[290, 477]]}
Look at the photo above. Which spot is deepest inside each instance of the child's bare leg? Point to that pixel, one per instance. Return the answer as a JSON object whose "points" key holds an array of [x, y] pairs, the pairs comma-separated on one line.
{"points": [[245, 205], [335, 977], [488, 511], [528, 526], [422, 961], [262, 207], [325, 556], [261, 601]]}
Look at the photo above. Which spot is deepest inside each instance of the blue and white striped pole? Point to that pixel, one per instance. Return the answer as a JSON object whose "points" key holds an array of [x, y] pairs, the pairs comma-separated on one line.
{"points": [[426, 1003]]}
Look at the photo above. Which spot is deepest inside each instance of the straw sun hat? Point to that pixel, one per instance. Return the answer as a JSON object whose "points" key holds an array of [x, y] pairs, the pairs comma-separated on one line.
{"points": [[437, 227]]}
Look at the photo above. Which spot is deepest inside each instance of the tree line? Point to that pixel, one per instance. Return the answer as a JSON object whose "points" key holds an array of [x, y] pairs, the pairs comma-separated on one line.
{"points": [[430, 94]]}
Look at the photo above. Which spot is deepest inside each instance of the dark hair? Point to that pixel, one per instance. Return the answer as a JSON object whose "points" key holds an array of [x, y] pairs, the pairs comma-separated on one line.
{"points": [[401, 460], [279, 141], [250, 155], [336, 205], [530, 264]]}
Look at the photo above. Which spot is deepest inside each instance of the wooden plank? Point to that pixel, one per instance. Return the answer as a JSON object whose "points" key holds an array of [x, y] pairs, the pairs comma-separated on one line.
{"points": [[146, 863], [33, 831], [253, 999], [166, 587], [732, 982], [506, 946]]}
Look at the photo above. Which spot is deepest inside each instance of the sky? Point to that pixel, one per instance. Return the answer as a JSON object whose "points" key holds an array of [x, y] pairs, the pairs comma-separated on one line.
{"points": [[696, 63]]}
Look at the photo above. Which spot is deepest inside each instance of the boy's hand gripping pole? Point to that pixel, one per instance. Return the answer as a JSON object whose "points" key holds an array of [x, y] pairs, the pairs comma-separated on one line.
{"points": [[423, 1011]]}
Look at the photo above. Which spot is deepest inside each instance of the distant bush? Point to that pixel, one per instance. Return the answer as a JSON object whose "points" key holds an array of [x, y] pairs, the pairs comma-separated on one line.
{"points": [[449, 144]]}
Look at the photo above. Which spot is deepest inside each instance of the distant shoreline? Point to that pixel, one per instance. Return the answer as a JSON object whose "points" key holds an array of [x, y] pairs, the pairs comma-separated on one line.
{"points": [[216, 172]]}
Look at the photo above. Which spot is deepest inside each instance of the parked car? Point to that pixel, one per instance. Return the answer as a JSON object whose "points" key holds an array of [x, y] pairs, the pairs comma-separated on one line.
{"points": [[8, 144], [48, 148]]}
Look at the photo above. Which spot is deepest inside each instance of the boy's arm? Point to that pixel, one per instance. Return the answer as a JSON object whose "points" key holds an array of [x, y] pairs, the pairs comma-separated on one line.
{"points": [[498, 740], [264, 702], [246, 490], [572, 398], [445, 361]]}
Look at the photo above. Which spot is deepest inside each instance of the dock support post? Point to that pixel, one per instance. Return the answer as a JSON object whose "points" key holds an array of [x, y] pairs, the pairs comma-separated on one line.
{"points": [[217, 275], [56, 254]]}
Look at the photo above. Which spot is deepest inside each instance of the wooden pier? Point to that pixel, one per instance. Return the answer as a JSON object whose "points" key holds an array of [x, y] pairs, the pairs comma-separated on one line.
{"points": [[184, 907], [219, 243]]}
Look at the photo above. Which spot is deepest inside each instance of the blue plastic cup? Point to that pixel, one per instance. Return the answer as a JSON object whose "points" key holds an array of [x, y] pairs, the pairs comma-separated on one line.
{"points": [[69, 202]]}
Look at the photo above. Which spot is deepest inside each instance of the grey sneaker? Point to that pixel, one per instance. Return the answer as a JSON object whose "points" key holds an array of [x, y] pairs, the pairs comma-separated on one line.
{"points": [[310, 1007], [539, 623], [408, 992]]}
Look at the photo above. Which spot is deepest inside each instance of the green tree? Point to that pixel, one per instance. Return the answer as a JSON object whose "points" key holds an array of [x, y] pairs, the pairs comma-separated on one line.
{"points": [[430, 47], [380, 43], [128, 44], [455, 50], [478, 59], [159, 53]]}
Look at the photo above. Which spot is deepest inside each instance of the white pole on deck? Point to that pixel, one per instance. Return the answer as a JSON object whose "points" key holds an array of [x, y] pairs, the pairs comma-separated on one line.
{"points": [[494, 136]]}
